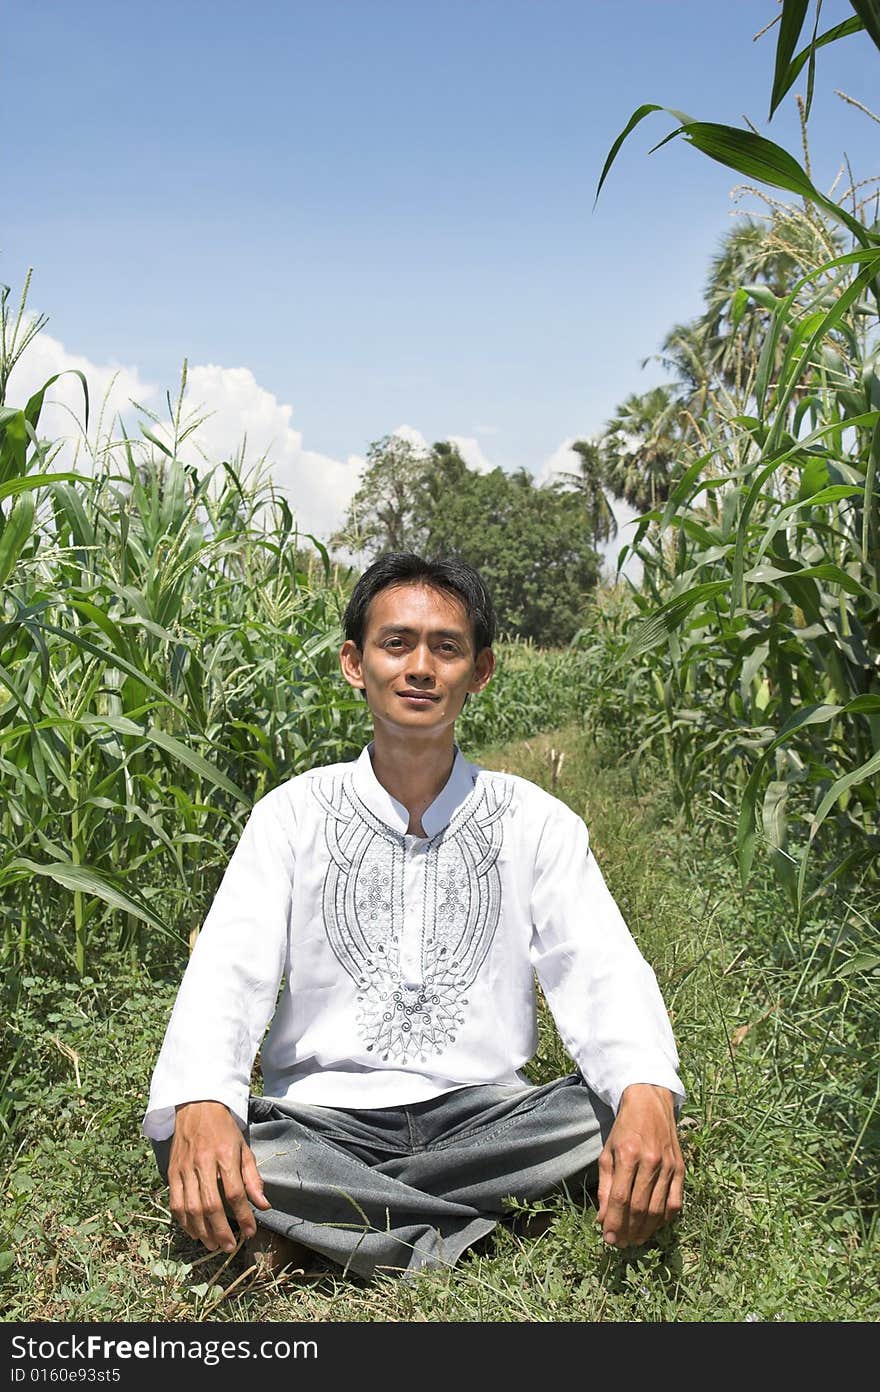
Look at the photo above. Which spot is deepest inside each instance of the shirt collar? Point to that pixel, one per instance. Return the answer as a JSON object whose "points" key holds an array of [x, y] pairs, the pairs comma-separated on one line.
{"points": [[458, 786]]}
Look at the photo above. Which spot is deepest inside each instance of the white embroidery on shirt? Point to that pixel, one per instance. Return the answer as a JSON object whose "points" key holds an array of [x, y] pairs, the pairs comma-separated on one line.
{"points": [[363, 908]]}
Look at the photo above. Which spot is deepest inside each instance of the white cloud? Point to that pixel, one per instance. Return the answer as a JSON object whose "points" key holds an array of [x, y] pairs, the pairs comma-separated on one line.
{"points": [[110, 387], [472, 454], [468, 447], [318, 487], [563, 460], [412, 436]]}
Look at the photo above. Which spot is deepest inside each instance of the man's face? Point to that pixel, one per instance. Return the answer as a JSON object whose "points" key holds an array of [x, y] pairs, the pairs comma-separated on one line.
{"points": [[418, 661]]}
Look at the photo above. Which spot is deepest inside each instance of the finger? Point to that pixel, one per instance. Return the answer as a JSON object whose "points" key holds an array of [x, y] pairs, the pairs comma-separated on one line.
{"points": [[647, 1200], [233, 1187], [606, 1170], [645, 1222], [675, 1198], [175, 1196], [191, 1218], [616, 1222], [253, 1181], [666, 1200], [213, 1213]]}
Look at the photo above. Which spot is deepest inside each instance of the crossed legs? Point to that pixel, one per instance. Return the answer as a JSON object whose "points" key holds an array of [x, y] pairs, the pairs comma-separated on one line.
{"points": [[404, 1188]]}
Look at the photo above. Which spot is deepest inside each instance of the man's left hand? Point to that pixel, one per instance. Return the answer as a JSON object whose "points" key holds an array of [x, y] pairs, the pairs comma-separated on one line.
{"points": [[641, 1170]]}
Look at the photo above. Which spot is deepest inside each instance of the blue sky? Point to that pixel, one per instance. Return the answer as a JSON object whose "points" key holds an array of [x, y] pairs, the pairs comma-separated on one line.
{"points": [[381, 212]]}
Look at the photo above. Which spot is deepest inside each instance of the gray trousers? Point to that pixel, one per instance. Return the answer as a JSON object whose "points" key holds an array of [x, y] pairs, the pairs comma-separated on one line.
{"points": [[402, 1188]]}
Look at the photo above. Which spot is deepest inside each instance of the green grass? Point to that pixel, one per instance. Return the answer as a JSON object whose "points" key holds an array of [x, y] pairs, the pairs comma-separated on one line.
{"points": [[778, 1131]]}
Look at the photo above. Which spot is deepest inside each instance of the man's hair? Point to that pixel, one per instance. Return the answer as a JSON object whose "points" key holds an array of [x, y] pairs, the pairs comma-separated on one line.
{"points": [[406, 568]]}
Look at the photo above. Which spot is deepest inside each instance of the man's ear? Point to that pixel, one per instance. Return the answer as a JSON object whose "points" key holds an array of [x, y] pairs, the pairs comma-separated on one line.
{"points": [[351, 660], [484, 666]]}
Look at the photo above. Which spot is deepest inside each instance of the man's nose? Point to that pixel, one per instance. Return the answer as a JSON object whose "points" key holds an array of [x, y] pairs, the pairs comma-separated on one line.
{"points": [[421, 664]]}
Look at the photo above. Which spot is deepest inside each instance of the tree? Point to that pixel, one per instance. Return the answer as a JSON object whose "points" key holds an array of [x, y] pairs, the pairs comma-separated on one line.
{"points": [[529, 544], [772, 253], [713, 359], [686, 352], [590, 483], [384, 514], [445, 473], [642, 446]]}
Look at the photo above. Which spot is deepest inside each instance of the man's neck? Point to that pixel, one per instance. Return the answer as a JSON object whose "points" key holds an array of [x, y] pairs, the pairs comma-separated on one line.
{"points": [[413, 772]]}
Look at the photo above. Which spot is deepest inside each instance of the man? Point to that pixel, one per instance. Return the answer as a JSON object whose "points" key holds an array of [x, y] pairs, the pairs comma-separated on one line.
{"points": [[407, 900]]}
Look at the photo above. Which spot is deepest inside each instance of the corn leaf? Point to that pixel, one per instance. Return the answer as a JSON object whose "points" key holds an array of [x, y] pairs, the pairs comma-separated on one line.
{"points": [[868, 12], [784, 82], [836, 791], [196, 762], [790, 24], [637, 116], [88, 880], [16, 533]]}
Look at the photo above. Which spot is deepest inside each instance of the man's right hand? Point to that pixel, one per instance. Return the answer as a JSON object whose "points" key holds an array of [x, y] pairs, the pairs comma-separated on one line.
{"points": [[210, 1161]]}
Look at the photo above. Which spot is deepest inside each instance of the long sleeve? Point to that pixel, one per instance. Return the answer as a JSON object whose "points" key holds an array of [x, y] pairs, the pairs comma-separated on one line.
{"points": [[230, 985], [602, 993]]}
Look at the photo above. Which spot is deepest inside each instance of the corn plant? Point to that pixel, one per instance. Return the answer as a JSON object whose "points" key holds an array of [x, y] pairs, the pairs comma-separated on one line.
{"points": [[165, 658], [755, 646]]}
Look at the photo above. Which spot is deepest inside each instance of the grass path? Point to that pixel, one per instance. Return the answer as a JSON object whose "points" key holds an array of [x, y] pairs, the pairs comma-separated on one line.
{"points": [[776, 1224]]}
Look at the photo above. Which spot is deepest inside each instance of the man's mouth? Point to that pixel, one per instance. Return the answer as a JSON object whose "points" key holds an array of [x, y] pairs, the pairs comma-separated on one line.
{"points": [[417, 698]]}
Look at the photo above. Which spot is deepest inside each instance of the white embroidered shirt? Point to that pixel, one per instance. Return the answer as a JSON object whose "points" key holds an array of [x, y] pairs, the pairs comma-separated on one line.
{"points": [[407, 962]]}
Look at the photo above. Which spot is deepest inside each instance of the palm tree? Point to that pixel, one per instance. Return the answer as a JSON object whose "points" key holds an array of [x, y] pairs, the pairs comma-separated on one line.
{"points": [[773, 253], [590, 482], [642, 447], [686, 352]]}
